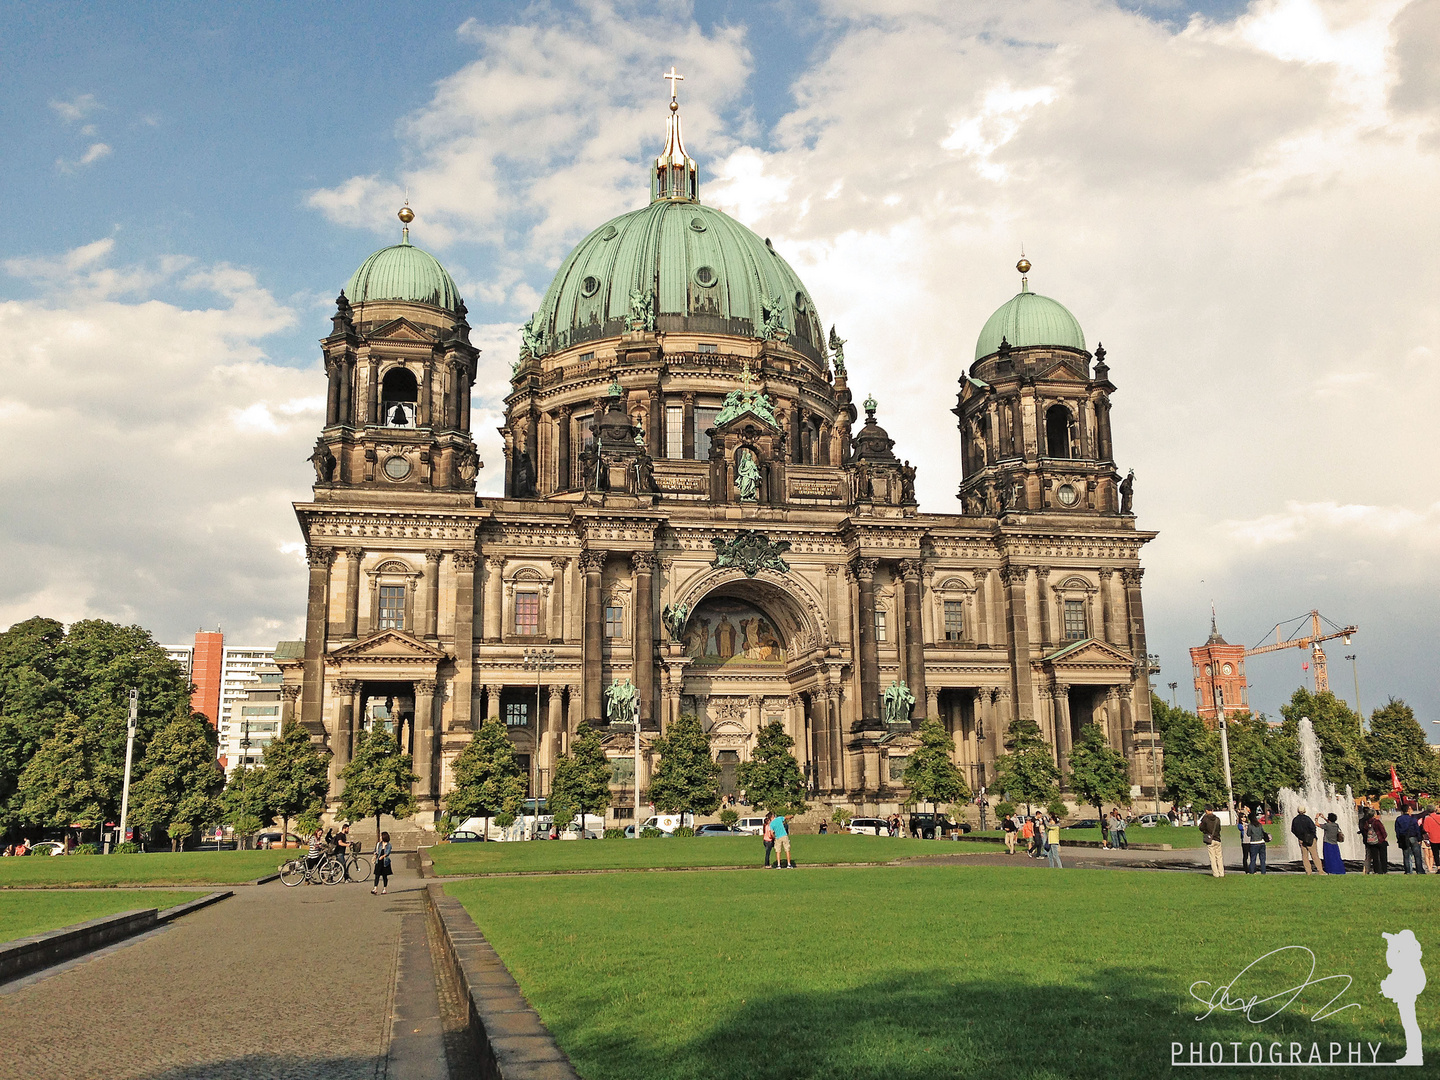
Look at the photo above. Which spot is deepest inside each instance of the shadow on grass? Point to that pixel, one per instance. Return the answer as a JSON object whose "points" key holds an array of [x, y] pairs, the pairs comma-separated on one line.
{"points": [[1115, 1025]]}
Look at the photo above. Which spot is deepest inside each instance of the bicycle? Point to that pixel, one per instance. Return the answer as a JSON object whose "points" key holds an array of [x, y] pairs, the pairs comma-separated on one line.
{"points": [[357, 866], [328, 871]]}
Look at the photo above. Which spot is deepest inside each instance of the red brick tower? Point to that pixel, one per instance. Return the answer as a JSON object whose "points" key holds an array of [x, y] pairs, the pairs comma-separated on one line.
{"points": [[205, 672], [1219, 677]]}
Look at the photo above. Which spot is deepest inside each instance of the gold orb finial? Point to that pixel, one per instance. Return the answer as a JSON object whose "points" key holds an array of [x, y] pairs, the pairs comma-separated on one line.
{"points": [[1023, 265], [406, 215]]}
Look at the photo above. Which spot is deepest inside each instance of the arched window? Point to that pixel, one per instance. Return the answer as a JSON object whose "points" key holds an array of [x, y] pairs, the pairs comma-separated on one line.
{"points": [[1058, 425], [398, 396]]}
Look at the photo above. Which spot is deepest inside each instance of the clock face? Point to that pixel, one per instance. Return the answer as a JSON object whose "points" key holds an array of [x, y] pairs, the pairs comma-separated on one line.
{"points": [[1227, 669], [1067, 495], [397, 468], [1207, 669]]}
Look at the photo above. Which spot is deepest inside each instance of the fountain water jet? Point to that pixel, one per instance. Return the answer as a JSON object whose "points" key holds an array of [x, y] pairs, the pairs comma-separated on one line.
{"points": [[1319, 797]]}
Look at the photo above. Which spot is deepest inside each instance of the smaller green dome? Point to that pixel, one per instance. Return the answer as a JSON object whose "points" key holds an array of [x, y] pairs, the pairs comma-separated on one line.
{"points": [[1030, 319], [403, 272]]}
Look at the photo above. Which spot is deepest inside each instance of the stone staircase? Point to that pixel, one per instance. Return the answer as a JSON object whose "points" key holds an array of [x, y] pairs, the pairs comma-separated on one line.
{"points": [[405, 833]]}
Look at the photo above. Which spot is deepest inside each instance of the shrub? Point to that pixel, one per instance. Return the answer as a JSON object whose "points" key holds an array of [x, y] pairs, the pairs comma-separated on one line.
{"points": [[728, 817], [684, 830], [308, 822], [841, 816], [127, 848], [1004, 807], [614, 834], [1387, 803], [87, 849], [650, 830], [1057, 809]]}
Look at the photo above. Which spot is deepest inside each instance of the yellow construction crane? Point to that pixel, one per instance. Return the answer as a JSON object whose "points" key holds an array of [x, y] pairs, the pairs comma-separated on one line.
{"points": [[1310, 641]]}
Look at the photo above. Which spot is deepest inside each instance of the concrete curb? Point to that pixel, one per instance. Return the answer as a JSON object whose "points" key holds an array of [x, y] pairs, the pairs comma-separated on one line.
{"points": [[510, 1041], [30, 954], [264, 880], [170, 914]]}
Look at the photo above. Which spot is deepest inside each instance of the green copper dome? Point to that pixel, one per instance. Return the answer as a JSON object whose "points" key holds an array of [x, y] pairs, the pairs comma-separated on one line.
{"points": [[403, 272], [1030, 319], [706, 272]]}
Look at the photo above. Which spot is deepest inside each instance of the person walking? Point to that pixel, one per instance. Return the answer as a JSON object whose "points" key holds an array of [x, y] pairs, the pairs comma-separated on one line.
{"points": [[1210, 829], [1330, 837], [1027, 833], [1430, 828], [342, 847], [1052, 844], [1242, 821], [782, 843], [382, 864], [1009, 828], [1407, 836], [1118, 825], [1104, 832], [768, 835], [1303, 829], [1258, 838], [1377, 845]]}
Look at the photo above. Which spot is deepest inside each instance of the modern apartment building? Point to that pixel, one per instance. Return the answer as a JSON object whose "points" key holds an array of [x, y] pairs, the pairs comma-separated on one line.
{"points": [[222, 676]]}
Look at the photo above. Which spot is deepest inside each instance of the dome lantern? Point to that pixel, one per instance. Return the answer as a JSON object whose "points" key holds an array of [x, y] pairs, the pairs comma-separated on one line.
{"points": [[674, 175], [1029, 319], [404, 272]]}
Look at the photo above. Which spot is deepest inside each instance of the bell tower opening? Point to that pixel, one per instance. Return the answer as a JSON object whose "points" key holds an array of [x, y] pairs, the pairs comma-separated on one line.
{"points": [[1058, 425], [399, 393]]}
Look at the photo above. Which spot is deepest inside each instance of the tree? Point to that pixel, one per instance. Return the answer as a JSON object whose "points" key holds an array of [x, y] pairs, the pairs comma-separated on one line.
{"points": [[378, 780], [1098, 774], [1262, 760], [1397, 740], [69, 779], [582, 779], [297, 777], [772, 778], [1192, 773], [180, 783], [930, 774], [687, 778], [1338, 730], [242, 803], [488, 781], [1026, 771]]}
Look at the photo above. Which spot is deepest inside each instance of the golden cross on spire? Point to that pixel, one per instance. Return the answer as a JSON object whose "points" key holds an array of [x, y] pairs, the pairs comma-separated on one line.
{"points": [[674, 78], [745, 374]]}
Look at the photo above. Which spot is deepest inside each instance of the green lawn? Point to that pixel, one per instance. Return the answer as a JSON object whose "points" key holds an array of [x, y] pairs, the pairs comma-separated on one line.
{"points": [[682, 851], [188, 868], [36, 911], [1181, 837], [923, 973]]}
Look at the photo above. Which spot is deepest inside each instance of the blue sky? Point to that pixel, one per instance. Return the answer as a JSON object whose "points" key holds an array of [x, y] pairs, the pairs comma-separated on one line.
{"points": [[1228, 195]]}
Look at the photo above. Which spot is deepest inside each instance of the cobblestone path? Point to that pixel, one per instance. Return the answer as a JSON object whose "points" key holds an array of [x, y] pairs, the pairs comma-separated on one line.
{"points": [[273, 982]]}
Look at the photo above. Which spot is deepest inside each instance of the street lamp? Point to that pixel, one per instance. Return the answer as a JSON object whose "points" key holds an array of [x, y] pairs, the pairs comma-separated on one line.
{"points": [[538, 661], [1356, 673], [1174, 701]]}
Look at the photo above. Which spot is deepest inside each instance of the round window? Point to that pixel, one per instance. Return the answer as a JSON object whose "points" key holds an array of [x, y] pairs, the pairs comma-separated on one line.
{"points": [[698, 224], [1227, 669], [609, 233], [397, 468], [590, 286], [1207, 669], [799, 301], [1067, 495], [705, 277]]}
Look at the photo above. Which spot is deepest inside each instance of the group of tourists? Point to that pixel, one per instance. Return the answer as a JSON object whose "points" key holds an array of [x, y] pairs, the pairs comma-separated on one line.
{"points": [[777, 842], [1416, 834], [1112, 831], [328, 843], [1039, 831]]}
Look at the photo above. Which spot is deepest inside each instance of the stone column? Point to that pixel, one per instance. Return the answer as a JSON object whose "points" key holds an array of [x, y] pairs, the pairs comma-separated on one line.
{"points": [[689, 422], [834, 732], [425, 743], [869, 653], [492, 701], [1042, 583], [350, 629], [1063, 737], [332, 395], [982, 603], [1107, 612], [927, 602], [591, 564], [915, 639], [642, 568], [562, 449], [463, 390], [288, 694], [840, 629], [1113, 733], [1013, 580], [432, 593], [372, 393], [343, 742], [317, 612], [558, 567], [832, 589], [1046, 718], [1127, 716], [932, 702], [462, 716], [493, 609]]}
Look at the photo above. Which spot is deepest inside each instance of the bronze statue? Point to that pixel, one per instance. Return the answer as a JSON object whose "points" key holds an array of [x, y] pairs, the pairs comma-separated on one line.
{"points": [[1127, 493], [324, 462], [523, 484]]}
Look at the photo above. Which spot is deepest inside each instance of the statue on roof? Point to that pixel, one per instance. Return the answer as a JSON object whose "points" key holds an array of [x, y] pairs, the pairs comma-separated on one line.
{"points": [[837, 350], [642, 311], [775, 328], [1127, 493], [532, 340], [622, 702], [747, 476], [897, 701]]}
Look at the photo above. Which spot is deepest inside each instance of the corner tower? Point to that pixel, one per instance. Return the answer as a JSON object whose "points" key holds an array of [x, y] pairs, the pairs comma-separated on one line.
{"points": [[400, 367]]}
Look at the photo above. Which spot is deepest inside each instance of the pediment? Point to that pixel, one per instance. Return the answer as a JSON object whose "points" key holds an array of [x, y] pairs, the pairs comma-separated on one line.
{"points": [[1090, 653], [1061, 372], [389, 646], [401, 329]]}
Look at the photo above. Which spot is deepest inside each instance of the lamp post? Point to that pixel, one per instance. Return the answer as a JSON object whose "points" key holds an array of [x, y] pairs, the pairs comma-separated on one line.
{"points": [[130, 726], [1356, 673], [538, 661], [1225, 752], [1174, 703]]}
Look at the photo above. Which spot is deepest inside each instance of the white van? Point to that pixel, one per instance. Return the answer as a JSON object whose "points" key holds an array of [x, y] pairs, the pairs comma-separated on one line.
{"points": [[753, 826], [668, 823]]}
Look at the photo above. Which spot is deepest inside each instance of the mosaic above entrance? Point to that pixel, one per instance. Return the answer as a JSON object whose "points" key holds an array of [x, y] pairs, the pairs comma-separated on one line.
{"points": [[732, 633]]}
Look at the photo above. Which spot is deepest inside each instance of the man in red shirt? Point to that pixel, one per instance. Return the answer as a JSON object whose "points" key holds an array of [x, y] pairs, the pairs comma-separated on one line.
{"points": [[1430, 827]]}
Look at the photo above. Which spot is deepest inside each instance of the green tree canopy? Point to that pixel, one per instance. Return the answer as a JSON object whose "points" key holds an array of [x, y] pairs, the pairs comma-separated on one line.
{"points": [[931, 775], [297, 776], [1026, 772], [1098, 774], [180, 783], [1396, 738], [1262, 759], [1338, 730], [772, 778], [242, 803], [488, 780], [687, 779], [1192, 775], [582, 779], [69, 780], [378, 780]]}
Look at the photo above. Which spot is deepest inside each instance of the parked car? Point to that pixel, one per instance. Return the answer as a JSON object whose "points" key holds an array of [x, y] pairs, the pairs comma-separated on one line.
{"points": [[464, 836], [1083, 823], [48, 847], [927, 826], [714, 829], [1149, 821], [752, 826], [869, 826], [275, 838], [649, 824]]}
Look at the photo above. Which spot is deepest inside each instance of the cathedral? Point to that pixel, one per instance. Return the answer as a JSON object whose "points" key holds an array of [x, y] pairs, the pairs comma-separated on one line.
{"points": [[695, 505]]}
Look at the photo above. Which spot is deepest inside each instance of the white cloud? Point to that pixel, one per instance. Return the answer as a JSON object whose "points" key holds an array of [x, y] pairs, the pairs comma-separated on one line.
{"points": [[76, 109]]}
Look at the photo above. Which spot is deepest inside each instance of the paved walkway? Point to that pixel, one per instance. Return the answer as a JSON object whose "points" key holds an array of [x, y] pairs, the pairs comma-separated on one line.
{"points": [[273, 982]]}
